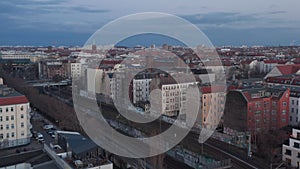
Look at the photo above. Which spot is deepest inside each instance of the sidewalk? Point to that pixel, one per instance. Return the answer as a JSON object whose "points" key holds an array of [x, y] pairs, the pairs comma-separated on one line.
{"points": [[34, 145]]}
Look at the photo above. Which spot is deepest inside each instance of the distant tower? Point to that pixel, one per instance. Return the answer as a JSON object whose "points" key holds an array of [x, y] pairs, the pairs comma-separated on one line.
{"points": [[165, 46], [149, 61], [94, 47]]}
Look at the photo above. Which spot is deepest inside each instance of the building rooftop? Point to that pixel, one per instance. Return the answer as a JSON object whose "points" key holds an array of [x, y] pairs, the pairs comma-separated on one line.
{"points": [[9, 96], [289, 69], [262, 92], [77, 142]]}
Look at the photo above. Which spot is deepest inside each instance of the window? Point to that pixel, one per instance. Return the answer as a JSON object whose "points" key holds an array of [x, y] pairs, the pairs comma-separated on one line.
{"points": [[11, 109], [0, 110], [22, 108], [296, 145], [296, 119], [22, 116], [7, 127], [293, 102], [292, 110], [12, 126], [12, 117], [288, 152], [1, 136], [1, 119], [257, 112], [22, 133], [12, 134], [291, 118], [7, 118], [22, 124], [6, 109], [283, 103], [7, 135], [1, 127], [283, 112]]}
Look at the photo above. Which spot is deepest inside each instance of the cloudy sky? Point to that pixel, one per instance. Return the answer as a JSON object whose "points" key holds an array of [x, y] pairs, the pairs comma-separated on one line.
{"points": [[225, 22]]}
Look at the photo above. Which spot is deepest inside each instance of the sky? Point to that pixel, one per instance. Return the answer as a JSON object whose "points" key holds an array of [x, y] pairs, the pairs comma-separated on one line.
{"points": [[225, 22]]}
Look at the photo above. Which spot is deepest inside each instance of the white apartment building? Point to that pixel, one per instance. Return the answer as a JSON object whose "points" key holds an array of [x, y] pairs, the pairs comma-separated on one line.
{"points": [[294, 107], [14, 118], [75, 70], [15, 55], [174, 98], [141, 90], [291, 152]]}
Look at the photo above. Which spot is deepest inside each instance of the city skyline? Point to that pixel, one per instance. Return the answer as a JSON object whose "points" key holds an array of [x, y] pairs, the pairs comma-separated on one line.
{"points": [[72, 22]]}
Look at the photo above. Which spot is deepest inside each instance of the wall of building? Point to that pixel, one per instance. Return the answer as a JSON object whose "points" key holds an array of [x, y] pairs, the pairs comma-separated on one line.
{"points": [[235, 113], [15, 125], [294, 118]]}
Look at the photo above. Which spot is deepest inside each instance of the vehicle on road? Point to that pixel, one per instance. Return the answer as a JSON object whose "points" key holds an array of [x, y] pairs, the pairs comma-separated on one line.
{"points": [[48, 127], [40, 138]]}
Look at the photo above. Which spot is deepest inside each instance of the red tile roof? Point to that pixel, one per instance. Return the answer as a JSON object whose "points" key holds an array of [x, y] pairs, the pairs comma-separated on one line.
{"points": [[13, 100], [274, 61], [215, 89], [289, 69]]}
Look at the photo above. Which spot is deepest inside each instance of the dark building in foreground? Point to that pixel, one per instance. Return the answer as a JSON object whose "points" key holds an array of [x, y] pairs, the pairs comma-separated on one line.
{"points": [[80, 146]]}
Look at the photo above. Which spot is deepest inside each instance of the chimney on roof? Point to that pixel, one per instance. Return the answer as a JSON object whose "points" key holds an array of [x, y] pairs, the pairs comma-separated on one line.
{"points": [[4, 90]]}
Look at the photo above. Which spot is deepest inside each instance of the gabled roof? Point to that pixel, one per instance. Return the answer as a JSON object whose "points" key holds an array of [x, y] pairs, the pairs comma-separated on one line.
{"points": [[274, 61], [273, 93], [288, 69]]}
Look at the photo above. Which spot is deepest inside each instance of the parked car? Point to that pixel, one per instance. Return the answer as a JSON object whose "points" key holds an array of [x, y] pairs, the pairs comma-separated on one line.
{"points": [[38, 135], [48, 127], [53, 135], [40, 138]]}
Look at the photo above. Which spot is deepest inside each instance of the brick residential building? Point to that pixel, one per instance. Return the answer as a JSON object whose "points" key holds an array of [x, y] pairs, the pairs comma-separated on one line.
{"points": [[257, 110]]}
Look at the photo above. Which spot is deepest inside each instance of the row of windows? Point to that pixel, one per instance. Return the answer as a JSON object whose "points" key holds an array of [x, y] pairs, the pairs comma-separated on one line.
{"points": [[12, 126], [293, 110], [8, 135], [258, 104], [293, 102], [291, 119], [11, 109], [174, 87], [12, 117]]}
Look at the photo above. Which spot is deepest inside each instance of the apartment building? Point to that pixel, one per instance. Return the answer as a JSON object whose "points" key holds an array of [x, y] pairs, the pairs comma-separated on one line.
{"points": [[257, 110], [294, 107], [291, 151], [75, 70], [141, 90], [174, 95], [14, 118], [212, 105]]}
